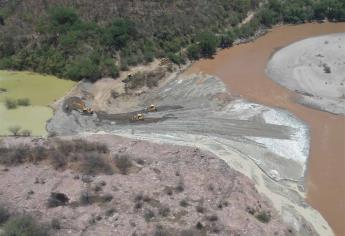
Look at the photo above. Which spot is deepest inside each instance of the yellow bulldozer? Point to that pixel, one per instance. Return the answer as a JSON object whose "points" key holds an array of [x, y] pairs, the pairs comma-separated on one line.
{"points": [[138, 117], [151, 108]]}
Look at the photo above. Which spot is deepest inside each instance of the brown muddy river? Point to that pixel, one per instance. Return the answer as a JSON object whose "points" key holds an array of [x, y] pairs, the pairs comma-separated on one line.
{"points": [[242, 68]]}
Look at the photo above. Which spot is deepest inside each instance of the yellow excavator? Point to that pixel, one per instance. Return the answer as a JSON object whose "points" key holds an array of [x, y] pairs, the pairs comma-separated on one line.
{"points": [[79, 105]]}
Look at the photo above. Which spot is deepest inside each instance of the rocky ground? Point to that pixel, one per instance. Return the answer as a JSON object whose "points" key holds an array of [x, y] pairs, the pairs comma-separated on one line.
{"points": [[315, 69], [171, 190]]}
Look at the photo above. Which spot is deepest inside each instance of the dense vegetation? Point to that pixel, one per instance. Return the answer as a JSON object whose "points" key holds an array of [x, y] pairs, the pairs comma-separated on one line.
{"points": [[87, 40]]}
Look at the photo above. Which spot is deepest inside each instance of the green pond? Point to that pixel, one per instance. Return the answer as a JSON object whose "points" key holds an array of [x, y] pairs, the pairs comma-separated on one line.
{"points": [[41, 90]]}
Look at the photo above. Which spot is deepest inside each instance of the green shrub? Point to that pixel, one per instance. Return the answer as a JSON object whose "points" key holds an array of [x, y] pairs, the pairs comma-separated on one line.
{"points": [[227, 39], [4, 215], [10, 103], [109, 69], [118, 33], [148, 215], [208, 43], [183, 203], [55, 224], [62, 18], [193, 52], [82, 68], [25, 133], [176, 58], [268, 17], [23, 102], [164, 211], [24, 226], [263, 216]]}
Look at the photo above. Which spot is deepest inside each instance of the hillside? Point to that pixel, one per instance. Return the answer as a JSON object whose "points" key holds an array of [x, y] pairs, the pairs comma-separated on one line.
{"points": [[88, 39], [67, 38]]}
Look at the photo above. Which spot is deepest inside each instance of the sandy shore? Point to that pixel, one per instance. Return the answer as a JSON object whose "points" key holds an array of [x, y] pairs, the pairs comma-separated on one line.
{"points": [[243, 67], [315, 69]]}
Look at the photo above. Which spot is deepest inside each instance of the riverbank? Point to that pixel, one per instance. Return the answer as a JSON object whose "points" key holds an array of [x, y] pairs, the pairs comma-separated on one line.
{"points": [[326, 188]]}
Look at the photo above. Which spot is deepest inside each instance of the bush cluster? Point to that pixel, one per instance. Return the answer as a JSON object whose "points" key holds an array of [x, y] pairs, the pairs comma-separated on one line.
{"points": [[13, 104], [23, 225], [86, 157]]}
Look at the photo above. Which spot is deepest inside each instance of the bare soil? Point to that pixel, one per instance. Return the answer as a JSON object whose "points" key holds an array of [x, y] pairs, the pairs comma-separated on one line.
{"points": [[178, 190]]}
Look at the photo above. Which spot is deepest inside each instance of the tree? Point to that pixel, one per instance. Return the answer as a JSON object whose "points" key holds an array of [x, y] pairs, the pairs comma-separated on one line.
{"points": [[82, 68], [208, 43], [119, 33], [227, 39], [193, 52], [14, 130], [268, 17], [62, 18], [2, 21]]}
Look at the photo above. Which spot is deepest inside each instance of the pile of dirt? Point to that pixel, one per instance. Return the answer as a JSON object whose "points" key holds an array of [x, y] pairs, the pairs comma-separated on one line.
{"points": [[178, 191]]}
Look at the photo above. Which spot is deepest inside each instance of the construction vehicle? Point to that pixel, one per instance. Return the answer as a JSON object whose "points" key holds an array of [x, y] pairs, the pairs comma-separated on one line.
{"points": [[164, 61], [138, 117], [151, 108], [87, 111], [75, 103]]}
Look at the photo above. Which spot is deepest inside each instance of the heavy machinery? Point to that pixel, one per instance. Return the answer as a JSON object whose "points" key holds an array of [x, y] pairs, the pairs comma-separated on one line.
{"points": [[138, 117], [87, 111], [164, 61], [151, 108], [75, 103]]}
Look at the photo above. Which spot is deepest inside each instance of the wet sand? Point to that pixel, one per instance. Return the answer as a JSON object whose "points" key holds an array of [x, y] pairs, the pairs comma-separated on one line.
{"points": [[242, 68]]}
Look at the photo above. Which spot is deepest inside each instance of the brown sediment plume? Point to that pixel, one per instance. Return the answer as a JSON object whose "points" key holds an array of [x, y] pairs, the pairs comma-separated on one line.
{"points": [[242, 68]]}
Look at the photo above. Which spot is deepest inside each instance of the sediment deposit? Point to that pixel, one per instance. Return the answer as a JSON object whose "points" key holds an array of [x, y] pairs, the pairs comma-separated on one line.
{"points": [[315, 69]]}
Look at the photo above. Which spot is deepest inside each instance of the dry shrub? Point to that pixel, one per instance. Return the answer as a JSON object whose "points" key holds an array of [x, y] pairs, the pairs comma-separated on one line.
{"points": [[94, 163], [57, 199], [88, 158], [123, 163], [24, 225], [14, 155]]}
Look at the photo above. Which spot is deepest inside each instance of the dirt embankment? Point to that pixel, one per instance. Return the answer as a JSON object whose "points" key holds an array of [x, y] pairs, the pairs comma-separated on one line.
{"points": [[177, 191]]}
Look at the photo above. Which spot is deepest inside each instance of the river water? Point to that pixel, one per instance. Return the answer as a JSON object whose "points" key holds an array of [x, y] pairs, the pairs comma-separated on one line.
{"points": [[242, 68]]}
